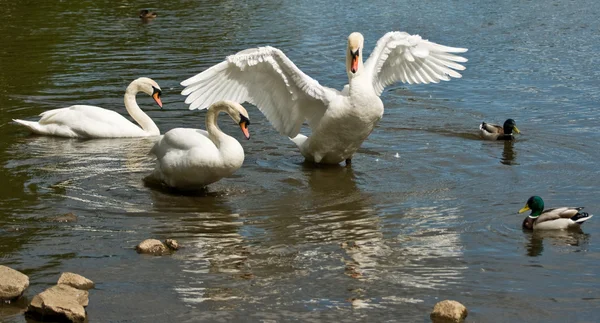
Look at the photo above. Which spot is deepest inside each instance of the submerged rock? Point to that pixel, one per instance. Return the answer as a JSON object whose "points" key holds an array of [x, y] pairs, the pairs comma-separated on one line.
{"points": [[69, 217], [151, 246], [76, 281], [172, 244], [448, 311], [12, 283], [59, 302]]}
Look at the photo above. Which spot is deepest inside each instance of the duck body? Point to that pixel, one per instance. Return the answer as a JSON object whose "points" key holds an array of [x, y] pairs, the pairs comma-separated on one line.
{"points": [[189, 159], [560, 218], [490, 131], [146, 14], [339, 121], [86, 121]]}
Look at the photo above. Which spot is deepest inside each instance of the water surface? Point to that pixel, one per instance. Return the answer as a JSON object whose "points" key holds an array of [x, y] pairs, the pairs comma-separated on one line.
{"points": [[426, 211]]}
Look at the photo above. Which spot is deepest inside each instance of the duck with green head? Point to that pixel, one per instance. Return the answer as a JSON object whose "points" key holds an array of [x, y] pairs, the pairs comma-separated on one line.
{"points": [[559, 218], [490, 131]]}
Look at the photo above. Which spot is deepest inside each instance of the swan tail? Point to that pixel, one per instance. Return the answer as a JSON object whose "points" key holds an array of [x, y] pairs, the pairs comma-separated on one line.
{"points": [[33, 126]]}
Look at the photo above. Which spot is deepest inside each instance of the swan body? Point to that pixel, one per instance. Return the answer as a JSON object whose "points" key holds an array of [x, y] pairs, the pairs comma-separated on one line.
{"points": [[559, 218], [339, 120], [490, 131], [86, 121], [190, 159]]}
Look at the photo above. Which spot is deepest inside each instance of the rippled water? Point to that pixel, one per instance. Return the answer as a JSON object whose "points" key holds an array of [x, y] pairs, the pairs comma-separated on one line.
{"points": [[426, 212]]}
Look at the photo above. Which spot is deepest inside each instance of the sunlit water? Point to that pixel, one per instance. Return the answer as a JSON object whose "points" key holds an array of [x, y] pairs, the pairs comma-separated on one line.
{"points": [[426, 212]]}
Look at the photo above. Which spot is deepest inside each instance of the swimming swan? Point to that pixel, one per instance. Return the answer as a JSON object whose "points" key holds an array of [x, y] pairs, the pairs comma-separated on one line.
{"points": [[86, 121], [189, 159], [340, 121]]}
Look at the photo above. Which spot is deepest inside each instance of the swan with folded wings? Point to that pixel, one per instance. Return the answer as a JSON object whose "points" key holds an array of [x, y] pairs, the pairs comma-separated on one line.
{"points": [[339, 120], [87, 121]]}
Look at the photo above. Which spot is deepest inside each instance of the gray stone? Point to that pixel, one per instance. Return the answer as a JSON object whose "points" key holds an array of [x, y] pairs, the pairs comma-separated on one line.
{"points": [[12, 283], [59, 302], [172, 244], [76, 281], [448, 311], [151, 246]]}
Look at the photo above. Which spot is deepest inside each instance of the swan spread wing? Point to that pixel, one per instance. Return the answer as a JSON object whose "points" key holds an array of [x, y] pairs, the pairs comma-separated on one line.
{"points": [[399, 56], [267, 78]]}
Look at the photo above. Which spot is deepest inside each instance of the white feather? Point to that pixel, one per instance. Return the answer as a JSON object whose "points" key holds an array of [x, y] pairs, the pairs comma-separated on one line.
{"points": [[340, 121]]}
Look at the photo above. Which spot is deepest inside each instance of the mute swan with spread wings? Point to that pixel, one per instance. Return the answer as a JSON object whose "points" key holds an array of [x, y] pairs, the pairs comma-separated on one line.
{"points": [[339, 120]]}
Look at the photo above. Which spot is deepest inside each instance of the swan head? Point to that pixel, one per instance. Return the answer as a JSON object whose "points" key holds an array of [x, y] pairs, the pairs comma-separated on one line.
{"points": [[237, 112], [354, 54], [148, 86]]}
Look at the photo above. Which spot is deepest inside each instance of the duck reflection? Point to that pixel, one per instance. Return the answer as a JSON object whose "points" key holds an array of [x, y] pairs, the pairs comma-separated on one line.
{"points": [[508, 154], [535, 244]]}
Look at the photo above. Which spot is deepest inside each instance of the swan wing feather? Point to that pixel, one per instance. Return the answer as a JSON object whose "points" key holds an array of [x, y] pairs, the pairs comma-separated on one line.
{"points": [[267, 78], [399, 56]]}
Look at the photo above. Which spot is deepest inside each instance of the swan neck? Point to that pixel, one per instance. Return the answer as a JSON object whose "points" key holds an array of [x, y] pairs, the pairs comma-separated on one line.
{"points": [[212, 126], [136, 113]]}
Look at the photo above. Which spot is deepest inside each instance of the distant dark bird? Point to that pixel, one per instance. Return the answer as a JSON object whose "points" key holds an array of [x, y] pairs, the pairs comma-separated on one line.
{"points": [[490, 131], [552, 219], [145, 14]]}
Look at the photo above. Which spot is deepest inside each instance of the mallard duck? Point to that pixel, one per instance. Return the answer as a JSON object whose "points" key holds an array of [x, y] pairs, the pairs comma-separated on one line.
{"points": [[495, 132], [145, 14], [559, 218]]}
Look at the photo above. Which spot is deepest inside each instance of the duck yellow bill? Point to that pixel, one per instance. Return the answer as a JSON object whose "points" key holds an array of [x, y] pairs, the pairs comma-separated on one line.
{"points": [[244, 127], [524, 209], [156, 98], [516, 129]]}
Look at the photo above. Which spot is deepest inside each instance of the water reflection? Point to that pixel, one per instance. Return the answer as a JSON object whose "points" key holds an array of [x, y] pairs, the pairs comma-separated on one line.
{"points": [[83, 170], [559, 238], [508, 154]]}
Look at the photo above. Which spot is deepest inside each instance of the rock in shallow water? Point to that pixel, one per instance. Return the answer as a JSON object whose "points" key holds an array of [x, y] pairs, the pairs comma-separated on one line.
{"points": [[151, 246], [12, 283], [76, 281], [448, 311], [60, 302]]}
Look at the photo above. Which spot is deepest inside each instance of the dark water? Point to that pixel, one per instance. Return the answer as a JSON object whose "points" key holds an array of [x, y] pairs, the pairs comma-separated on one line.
{"points": [[426, 212]]}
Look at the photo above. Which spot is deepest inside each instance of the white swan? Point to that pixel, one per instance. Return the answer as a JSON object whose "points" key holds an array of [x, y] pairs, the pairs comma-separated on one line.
{"points": [[86, 121], [340, 121], [193, 158]]}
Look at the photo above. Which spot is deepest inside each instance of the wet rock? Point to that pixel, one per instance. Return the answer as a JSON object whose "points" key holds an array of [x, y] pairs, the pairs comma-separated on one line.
{"points": [[60, 302], [172, 244], [69, 217], [151, 246], [76, 281], [12, 283], [448, 311]]}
